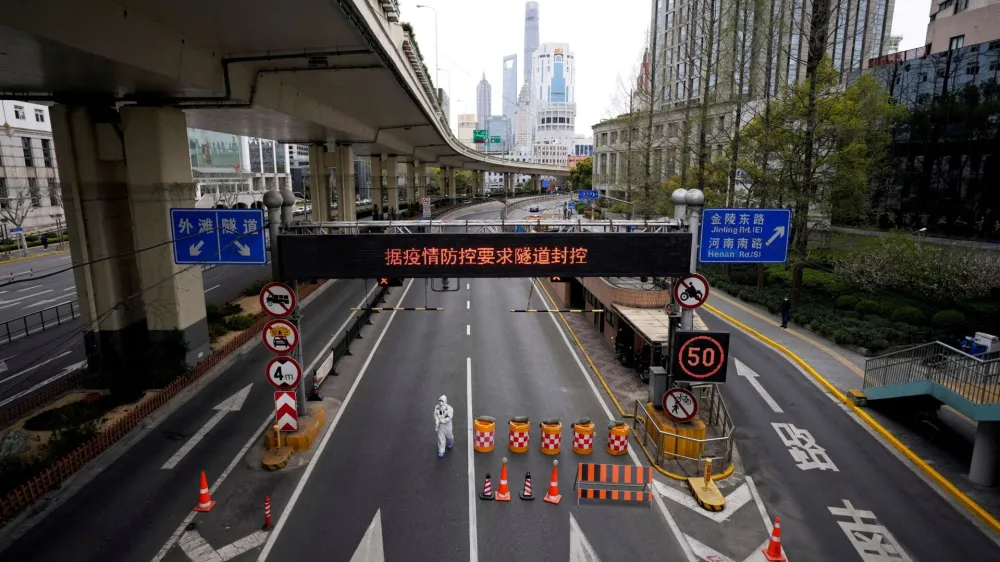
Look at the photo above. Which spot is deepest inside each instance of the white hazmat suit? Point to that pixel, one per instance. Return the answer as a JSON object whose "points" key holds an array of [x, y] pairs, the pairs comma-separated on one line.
{"points": [[443, 414]]}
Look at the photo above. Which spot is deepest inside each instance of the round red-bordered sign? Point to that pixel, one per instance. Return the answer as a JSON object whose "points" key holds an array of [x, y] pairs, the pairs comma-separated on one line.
{"points": [[691, 291], [680, 405], [701, 357], [280, 336], [284, 373], [277, 300]]}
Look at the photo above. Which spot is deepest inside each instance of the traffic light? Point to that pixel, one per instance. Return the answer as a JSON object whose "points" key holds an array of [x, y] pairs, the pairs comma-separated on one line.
{"points": [[390, 282]]}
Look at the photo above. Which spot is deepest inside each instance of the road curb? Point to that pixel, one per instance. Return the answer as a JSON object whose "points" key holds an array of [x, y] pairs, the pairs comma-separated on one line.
{"points": [[34, 257], [920, 463], [729, 471]]}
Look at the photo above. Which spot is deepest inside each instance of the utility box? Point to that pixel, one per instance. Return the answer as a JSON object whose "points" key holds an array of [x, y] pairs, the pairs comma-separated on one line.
{"points": [[988, 342], [657, 384]]}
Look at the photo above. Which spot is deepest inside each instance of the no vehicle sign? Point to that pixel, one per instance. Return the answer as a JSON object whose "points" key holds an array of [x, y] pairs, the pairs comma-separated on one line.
{"points": [[691, 291], [283, 373], [280, 336], [700, 356], [680, 405], [277, 300]]}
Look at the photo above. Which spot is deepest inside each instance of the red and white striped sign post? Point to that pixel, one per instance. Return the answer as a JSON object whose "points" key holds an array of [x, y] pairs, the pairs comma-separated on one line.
{"points": [[285, 414]]}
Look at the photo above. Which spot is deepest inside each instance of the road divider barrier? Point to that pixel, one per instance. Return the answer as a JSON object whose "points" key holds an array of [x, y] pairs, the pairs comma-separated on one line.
{"points": [[615, 482], [487, 488], [485, 430], [583, 436], [551, 441], [520, 434], [617, 438], [556, 310], [205, 503], [526, 492], [553, 496], [503, 491]]}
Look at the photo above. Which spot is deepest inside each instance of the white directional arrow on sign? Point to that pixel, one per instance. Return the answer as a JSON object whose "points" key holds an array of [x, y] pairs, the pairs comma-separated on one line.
{"points": [[231, 404], [371, 549], [195, 249], [241, 249], [734, 501], [579, 547], [751, 376], [197, 548], [779, 232]]}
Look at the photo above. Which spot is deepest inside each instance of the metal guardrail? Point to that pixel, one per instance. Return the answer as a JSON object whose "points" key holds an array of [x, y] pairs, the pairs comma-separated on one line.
{"points": [[342, 347], [666, 446], [39, 321], [977, 378]]}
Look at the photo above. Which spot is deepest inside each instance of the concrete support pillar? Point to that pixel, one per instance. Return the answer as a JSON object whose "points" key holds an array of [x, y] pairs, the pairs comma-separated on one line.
{"points": [[391, 172], [99, 221], [451, 184], [346, 208], [377, 181], [159, 178], [319, 183], [477, 183], [986, 454], [445, 175], [426, 183], [536, 182], [411, 184]]}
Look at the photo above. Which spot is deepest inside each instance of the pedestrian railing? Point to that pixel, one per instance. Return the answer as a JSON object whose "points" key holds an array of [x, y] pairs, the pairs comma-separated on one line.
{"points": [[688, 452], [975, 377], [342, 347], [39, 321]]}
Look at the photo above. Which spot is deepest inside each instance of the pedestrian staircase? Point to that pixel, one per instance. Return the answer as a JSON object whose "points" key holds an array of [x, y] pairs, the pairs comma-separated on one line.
{"points": [[967, 383]]}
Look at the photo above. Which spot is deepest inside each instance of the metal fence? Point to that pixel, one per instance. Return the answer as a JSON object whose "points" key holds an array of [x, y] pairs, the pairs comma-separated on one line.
{"points": [[977, 378], [39, 321], [342, 347], [689, 452]]}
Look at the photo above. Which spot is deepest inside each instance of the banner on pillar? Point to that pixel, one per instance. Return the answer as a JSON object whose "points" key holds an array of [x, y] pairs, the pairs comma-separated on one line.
{"points": [[219, 236]]}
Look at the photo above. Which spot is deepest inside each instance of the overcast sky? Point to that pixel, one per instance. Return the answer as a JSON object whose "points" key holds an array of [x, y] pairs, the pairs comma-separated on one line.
{"points": [[607, 39]]}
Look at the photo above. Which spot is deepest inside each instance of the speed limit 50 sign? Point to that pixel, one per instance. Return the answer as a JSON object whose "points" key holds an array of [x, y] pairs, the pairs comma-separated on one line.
{"points": [[700, 356]]}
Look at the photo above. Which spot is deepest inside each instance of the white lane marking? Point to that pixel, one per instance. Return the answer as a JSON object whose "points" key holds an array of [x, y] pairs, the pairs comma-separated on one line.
{"points": [[33, 367], [371, 548], [268, 421], [468, 329], [760, 504], [579, 547], [70, 289], [473, 525], [671, 523], [66, 371], [10, 303], [751, 377], [231, 404], [467, 287], [286, 513], [198, 550], [467, 305], [211, 288], [734, 501], [28, 288]]}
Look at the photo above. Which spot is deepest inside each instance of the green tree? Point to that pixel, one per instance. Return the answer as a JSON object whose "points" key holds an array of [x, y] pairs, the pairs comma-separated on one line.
{"points": [[581, 176]]}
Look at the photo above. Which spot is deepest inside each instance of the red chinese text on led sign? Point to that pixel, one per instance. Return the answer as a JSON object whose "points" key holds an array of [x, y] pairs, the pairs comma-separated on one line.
{"points": [[400, 257]]}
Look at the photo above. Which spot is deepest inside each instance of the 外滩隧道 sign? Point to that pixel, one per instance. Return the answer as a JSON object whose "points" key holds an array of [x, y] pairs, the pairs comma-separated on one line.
{"points": [[351, 256]]}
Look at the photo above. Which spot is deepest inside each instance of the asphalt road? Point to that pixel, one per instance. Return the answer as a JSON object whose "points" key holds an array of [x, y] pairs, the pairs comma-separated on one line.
{"points": [[912, 515], [129, 510], [46, 355]]}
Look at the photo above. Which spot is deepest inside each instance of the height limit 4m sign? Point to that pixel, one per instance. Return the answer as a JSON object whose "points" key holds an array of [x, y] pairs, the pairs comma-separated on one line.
{"points": [[700, 357]]}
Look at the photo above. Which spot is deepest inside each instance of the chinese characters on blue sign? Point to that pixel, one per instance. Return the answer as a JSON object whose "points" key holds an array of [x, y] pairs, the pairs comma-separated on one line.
{"points": [[219, 236], [587, 195], [744, 236]]}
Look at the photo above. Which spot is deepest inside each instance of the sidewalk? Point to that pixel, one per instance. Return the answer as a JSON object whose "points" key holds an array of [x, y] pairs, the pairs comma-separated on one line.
{"points": [[35, 252], [949, 452]]}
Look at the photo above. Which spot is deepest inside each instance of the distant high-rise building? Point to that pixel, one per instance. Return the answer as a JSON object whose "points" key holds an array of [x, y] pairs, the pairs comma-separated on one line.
{"points": [[523, 123], [956, 24], [466, 125], [553, 103], [484, 101], [530, 36], [498, 126], [509, 103], [892, 45]]}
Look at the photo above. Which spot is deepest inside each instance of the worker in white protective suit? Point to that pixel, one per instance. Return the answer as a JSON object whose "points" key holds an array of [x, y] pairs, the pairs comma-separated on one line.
{"points": [[443, 414]]}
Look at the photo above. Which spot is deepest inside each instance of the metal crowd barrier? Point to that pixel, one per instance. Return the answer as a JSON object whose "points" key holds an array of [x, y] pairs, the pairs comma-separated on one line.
{"points": [[342, 347], [39, 321]]}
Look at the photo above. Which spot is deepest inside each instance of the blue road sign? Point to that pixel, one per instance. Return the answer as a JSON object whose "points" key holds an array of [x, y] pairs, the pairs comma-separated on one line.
{"points": [[219, 236], [744, 236], [16, 230], [587, 195], [570, 206]]}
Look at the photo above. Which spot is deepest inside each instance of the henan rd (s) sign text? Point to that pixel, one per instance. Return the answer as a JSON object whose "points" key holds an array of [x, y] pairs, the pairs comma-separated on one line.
{"points": [[349, 256]]}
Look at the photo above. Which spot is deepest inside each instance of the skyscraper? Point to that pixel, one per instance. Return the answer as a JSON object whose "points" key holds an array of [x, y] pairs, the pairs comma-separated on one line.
{"points": [[483, 102], [530, 36], [509, 102], [553, 103]]}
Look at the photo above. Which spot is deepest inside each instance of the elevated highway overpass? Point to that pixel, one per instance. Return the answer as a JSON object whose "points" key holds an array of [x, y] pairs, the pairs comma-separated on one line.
{"points": [[125, 80]]}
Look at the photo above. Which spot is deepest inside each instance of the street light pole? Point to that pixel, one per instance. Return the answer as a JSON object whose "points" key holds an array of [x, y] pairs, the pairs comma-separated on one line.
{"points": [[437, 61]]}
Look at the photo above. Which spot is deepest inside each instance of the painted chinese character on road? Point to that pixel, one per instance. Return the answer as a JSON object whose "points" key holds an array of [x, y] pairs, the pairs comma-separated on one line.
{"points": [[873, 542], [803, 448]]}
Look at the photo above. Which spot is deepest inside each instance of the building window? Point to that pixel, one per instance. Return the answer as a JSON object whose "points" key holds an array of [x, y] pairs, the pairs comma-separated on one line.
{"points": [[658, 131], [39, 116], [961, 5], [29, 162], [19, 112], [721, 125], [34, 192], [972, 69], [47, 152], [4, 194], [614, 137], [672, 130], [956, 42]]}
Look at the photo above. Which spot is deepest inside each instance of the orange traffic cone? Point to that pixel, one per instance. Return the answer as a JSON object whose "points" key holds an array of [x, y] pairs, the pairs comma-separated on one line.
{"points": [[205, 502], [503, 492], [552, 496], [773, 550]]}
